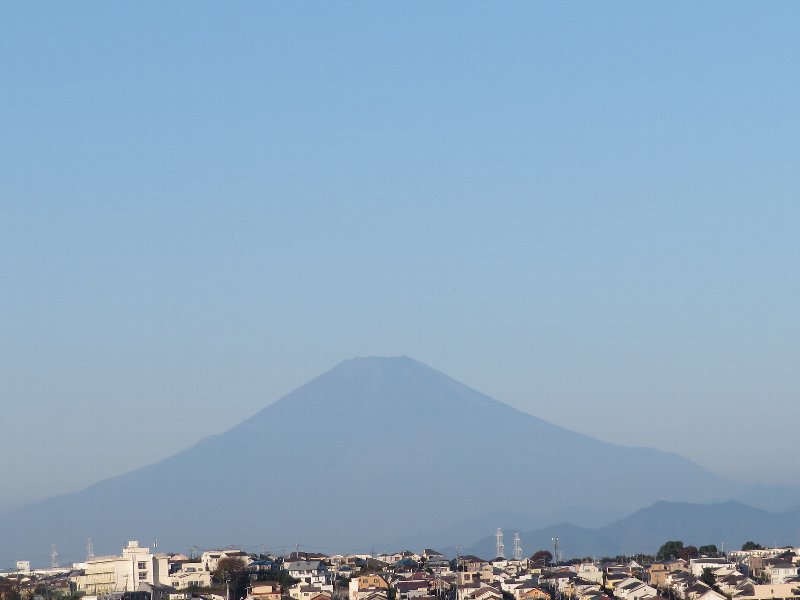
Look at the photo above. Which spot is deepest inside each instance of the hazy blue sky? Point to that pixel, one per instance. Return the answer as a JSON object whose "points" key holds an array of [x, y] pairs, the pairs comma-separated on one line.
{"points": [[587, 210]]}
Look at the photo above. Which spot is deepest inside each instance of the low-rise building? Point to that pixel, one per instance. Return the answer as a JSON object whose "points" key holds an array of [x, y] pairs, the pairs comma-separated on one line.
{"points": [[309, 572], [110, 574], [264, 590]]}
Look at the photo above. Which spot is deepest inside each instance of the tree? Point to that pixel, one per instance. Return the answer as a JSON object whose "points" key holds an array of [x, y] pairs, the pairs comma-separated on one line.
{"points": [[708, 577], [751, 546], [708, 550], [542, 556], [229, 567], [8, 591], [689, 552], [279, 575], [669, 550], [232, 571]]}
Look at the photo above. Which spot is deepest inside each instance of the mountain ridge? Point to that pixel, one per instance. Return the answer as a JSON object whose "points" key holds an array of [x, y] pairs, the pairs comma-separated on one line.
{"points": [[728, 523], [369, 452]]}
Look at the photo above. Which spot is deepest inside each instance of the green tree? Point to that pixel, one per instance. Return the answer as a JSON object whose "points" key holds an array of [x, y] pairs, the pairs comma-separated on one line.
{"points": [[708, 550], [282, 577], [708, 577], [751, 546], [232, 571], [8, 591], [669, 550], [689, 552], [542, 556]]}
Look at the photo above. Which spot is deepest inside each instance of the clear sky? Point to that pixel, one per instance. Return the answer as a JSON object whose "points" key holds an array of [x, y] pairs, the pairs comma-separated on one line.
{"points": [[587, 210]]}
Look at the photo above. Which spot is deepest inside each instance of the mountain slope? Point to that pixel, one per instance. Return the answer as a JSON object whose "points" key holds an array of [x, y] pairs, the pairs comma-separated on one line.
{"points": [[374, 450], [728, 524]]}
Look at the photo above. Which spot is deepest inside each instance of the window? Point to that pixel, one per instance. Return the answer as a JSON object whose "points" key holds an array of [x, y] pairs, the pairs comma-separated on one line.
{"points": [[141, 565], [142, 575]]}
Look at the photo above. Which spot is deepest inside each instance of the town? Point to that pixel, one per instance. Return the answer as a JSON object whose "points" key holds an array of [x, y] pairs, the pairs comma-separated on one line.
{"points": [[675, 572]]}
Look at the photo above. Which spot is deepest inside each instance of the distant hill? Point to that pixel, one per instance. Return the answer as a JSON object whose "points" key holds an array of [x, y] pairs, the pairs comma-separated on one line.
{"points": [[464, 533], [729, 524], [775, 498], [371, 453]]}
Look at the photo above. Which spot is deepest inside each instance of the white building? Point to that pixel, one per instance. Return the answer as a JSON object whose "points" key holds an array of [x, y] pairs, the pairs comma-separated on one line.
{"points": [[106, 574], [308, 572], [190, 574], [590, 572], [24, 566], [634, 589], [696, 565], [210, 558], [782, 572]]}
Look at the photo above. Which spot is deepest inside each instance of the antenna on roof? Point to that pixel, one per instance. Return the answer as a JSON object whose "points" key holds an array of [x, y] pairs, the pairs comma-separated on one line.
{"points": [[500, 546], [517, 547]]}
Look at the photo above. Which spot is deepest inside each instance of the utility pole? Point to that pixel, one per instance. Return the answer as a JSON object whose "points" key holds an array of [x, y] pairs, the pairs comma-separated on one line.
{"points": [[457, 571]]}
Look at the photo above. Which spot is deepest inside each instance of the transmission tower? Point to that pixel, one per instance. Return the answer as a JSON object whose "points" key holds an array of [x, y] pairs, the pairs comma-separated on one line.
{"points": [[89, 549], [501, 547], [517, 547], [556, 558], [53, 557]]}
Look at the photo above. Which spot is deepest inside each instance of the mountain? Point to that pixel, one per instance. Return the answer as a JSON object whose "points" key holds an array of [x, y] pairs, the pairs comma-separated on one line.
{"points": [[775, 498], [374, 451], [464, 533], [727, 524]]}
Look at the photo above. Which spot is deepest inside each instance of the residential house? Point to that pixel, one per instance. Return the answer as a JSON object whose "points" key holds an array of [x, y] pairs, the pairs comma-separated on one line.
{"points": [[362, 587], [412, 589], [658, 572], [189, 575], [634, 589], [485, 592], [770, 591], [590, 572], [780, 571], [712, 595], [695, 590], [210, 559], [533, 593], [679, 582], [729, 584], [698, 565], [309, 572], [308, 592], [264, 590]]}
